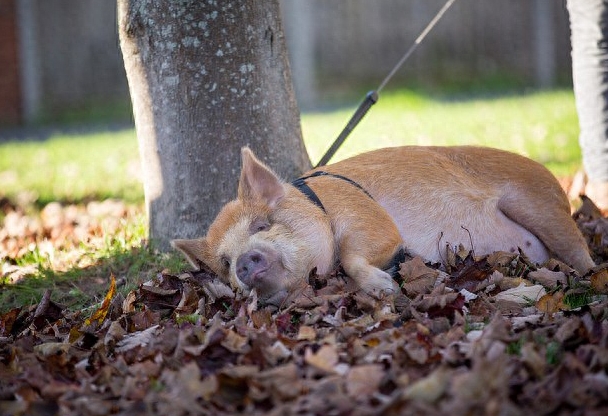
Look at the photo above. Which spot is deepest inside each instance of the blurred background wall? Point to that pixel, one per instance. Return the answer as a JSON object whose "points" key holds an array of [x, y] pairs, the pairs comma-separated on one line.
{"points": [[62, 56]]}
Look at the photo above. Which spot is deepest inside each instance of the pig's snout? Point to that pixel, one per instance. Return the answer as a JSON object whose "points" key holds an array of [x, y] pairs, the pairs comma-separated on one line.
{"points": [[250, 266]]}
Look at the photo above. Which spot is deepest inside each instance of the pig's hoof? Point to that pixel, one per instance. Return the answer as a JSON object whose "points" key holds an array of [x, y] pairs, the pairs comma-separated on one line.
{"points": [[380, 285], [382, 293]]}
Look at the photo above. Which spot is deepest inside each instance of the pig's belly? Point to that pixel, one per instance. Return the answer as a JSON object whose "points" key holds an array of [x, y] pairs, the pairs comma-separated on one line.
{"points": [[485, 231]]}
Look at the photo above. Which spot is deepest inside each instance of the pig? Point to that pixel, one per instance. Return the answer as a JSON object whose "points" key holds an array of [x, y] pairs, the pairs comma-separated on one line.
{"points": [[363, 211]]}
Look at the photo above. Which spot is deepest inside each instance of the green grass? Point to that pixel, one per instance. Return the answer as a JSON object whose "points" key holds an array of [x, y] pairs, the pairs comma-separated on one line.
{"points": [[72, 168], [121, 255], [542, 125]]}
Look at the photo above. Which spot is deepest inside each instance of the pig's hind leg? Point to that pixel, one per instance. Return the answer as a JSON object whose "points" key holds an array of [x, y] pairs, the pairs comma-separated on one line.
{"points": [[546, 214]]}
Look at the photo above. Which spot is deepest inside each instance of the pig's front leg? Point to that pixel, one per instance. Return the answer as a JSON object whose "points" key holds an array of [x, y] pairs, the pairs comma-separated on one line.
{"points": [[369, 278]]}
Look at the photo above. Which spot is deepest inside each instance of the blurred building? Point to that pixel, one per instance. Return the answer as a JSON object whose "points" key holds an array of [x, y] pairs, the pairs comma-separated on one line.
{"points": [[342, 44], [63, 55], [58, 56]]}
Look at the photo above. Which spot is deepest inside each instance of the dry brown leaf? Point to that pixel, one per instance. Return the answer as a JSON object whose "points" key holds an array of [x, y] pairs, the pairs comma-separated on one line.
{"points": [[115, 334], [52, 349], [599, 281], [261, 318], [363, 380], [416, 352], [512, 282], [128, 305], [137, 339], [100, 314], [551, 303], [276, 353], [417, 277], [520, 322], [282, 381], [568, 329], [306, 333], [522, 294], [500, 259], [438, 298], [216, 289], [472, 274], [430, 388], [183, 389], [325, 359], [236, 343], [533, 358], [188, 302], [548, 278]]}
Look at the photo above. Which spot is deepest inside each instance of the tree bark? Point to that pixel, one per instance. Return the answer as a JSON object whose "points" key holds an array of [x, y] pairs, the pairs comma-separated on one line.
{"points": [[206, 78]]}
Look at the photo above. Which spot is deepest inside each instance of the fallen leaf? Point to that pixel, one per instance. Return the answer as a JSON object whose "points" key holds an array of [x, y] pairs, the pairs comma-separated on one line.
{"points": [[440, 302], [114, 335], [7, 321], [472, 275], [363, 380], [236, 343], [551, 303], [307, 333], [533, 359], [50, 349], [325, 359], [500, 259], [430, 388], [417, 277], [521, 322], [548, 278], [599, 281], [137, 339], [522, 294], [183, 389], [277, 352], [100, 314]]}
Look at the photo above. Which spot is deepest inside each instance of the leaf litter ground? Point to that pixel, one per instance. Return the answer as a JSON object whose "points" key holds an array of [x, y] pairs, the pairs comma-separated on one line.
{"points": [[490, 335]]}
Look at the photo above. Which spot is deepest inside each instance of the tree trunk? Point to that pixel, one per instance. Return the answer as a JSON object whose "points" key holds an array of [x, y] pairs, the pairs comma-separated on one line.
{"points": [[206, 78]]}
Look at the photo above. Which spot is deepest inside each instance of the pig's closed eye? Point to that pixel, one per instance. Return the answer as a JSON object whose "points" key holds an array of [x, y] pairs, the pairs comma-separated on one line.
{"points": [[225, 262], [259, 225]]}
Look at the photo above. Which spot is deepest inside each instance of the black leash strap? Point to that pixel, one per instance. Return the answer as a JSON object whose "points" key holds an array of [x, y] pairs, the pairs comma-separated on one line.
{"points": [[372, 97]]}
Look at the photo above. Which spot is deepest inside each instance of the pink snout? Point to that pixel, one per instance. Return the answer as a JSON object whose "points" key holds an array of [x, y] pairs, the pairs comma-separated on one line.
{"points": [[251, 267]]}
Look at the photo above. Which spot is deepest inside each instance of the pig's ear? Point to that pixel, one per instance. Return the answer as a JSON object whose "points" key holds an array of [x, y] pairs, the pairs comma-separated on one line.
{"points": [[258, 181], [192, 249]]}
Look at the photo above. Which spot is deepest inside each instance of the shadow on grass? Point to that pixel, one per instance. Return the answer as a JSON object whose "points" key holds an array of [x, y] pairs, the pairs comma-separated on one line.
{"points": [[84, 287]]}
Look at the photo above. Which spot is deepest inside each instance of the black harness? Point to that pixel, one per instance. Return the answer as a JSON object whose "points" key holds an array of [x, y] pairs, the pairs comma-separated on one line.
{"points": [[303, 187], [393, 266]]}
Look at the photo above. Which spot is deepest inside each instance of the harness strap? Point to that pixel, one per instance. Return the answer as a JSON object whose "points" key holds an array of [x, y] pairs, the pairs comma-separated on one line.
{"points": [[303, 187]]}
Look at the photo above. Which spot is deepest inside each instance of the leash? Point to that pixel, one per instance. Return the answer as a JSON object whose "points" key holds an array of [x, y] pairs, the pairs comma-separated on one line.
{"points": [[372, 97]]}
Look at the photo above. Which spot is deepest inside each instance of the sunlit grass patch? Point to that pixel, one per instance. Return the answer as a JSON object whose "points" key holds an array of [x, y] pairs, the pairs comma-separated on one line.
{"points": [[79, 275], [541, 125], [72, 168]]}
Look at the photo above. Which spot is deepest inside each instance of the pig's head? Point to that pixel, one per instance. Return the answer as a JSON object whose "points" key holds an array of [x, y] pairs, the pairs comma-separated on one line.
{"points": [[269, 239]]}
